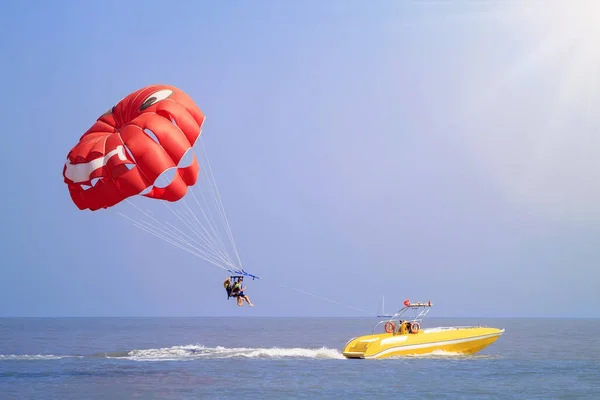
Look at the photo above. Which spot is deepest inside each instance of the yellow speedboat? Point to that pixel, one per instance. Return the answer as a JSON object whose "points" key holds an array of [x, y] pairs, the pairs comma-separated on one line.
{"points": [[403, 336]]}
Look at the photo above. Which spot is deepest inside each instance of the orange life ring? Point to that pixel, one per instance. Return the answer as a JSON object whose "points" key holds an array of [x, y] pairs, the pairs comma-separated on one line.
{"points": [[414, 327], [389, 327]]}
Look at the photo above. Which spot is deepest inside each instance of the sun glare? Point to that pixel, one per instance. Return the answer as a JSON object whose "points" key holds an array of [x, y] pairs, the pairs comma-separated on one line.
{"points": [[570, 28], [576, 25], [532, 124], [579, 19]]}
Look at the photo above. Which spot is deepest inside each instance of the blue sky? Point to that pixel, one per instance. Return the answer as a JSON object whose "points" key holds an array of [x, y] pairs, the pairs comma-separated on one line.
{"points": [[417, 150]]}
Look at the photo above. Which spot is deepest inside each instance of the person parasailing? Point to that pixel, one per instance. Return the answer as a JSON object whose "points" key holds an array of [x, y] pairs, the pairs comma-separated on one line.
{"points": [[236, 289]]}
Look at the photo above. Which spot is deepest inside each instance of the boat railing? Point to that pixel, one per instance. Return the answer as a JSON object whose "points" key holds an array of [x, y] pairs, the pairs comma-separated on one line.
{"points": [[410, 313], [416, 312]]}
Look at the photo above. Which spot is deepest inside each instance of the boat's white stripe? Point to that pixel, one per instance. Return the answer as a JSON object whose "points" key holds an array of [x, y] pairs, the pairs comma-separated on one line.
{"points": [[450, 328], [394, 339], [435, 344]]}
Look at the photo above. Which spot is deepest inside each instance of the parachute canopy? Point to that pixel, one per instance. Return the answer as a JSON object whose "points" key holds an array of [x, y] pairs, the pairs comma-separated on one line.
{"points": [[146, 134], [143, 147]]}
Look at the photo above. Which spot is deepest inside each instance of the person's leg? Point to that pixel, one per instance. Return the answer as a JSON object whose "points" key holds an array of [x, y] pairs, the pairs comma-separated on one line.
{"points": [[248, 301]]}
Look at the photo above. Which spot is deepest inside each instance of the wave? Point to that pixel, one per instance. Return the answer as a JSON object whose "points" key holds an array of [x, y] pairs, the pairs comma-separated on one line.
{"points": [[194, 352], [33, 357]]}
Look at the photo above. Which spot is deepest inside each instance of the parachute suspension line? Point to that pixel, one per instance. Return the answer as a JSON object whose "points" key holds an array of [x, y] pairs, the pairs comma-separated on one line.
{"points": [[209, 219], [220, 203], [207, 244], [165, 236], [216, 241], [215, 202], [193, 226], [182, 233], [207, 240], [156, 228], [151, 231]]}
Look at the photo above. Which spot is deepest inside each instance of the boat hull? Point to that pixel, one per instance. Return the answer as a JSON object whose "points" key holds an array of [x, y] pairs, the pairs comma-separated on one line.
{"points": [[463, 340]]}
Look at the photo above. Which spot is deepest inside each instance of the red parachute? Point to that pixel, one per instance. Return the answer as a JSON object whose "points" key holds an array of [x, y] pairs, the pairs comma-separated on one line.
{"points": [[118, 157]]}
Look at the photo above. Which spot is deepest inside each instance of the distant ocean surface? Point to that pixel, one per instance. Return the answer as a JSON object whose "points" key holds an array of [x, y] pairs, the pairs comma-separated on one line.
{"points": [[285, 358]]}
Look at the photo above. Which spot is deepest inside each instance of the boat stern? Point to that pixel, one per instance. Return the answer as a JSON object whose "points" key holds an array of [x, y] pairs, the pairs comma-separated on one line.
{"points": [[357, 347]]}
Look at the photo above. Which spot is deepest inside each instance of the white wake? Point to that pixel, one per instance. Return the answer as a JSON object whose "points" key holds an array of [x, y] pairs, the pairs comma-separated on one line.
{"points": [[32, 357], [195, 352]]}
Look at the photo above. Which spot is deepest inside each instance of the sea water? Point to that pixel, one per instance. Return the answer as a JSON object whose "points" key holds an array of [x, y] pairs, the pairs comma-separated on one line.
{"points": [[285, 358]]}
